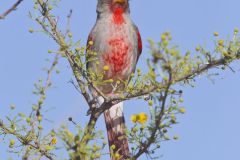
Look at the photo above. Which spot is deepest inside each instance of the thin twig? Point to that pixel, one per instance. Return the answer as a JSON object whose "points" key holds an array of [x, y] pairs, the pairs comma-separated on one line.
{"points": [[69, 16], [153, 88], [159, 117], [59, 38], [22, 139], [47, 84], [13, 7]]}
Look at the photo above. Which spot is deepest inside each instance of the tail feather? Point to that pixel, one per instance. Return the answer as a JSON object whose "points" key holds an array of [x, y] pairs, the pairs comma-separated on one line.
{"points": [[115, 124]]}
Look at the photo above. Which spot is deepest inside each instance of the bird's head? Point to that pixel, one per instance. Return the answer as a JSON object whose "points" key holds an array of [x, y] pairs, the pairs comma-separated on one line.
{"points": [[111, 6]]}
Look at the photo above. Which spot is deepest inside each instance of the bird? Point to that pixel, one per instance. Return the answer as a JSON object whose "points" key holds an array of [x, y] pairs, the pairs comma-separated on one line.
{"points": [[113, 49]]}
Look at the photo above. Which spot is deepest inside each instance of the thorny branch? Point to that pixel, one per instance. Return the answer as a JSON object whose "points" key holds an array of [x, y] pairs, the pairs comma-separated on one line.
{"points": [[59, 38], [159, 117], [23, 140], [47, 85], [12, 8], [152, 88]]}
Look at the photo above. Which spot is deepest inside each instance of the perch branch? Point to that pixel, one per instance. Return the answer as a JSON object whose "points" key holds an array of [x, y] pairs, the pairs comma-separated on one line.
{"points": [[12, 8]]}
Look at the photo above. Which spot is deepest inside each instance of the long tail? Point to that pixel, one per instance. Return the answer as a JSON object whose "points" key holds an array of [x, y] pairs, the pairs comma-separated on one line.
{"points": [[115, 124]]}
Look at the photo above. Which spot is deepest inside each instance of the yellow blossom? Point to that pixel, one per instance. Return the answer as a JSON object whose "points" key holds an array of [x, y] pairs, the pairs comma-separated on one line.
{"points": [[117, 156], [142, 118], [113, 147], [215, 34], [39, 118], [54, 141], [105, 68], [197, 48], [150, 103], [182, 110], [134, 118], [221, 42], [31, 30], [12, 142], [175, 137], [163, 37], [90, 43]]}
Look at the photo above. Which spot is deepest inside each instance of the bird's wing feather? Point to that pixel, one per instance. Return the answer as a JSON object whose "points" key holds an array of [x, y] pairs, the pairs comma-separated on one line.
{"points": [[139, 41]]}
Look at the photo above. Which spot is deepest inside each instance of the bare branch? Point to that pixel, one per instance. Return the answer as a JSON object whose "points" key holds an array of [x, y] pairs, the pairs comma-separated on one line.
{"points": [[13, 7], [68, 22]]}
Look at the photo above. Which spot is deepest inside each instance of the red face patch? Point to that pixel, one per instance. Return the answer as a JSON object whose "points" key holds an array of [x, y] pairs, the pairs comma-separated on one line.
{"points": [[117, 16]]}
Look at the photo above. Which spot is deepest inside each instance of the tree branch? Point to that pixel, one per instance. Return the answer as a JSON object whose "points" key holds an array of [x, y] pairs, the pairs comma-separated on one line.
{"points": [[159, 117], [47, 85], [13, 7], [23, 140], [152, 88]]}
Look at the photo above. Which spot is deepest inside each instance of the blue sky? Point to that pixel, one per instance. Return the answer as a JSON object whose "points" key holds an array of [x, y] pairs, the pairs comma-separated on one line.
{"points": [[209, 130]]}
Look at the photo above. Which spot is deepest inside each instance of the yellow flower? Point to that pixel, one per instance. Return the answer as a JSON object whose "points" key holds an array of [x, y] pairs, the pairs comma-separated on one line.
{"points": [[90, 43], [113, 147], [142, 118], [54, 141], [31, 30], [215, 34], [117, 156], [150, 103], [12, 142], [221, 42], [163, 37], [175, 137], [39, 118], [134, 118], [182, 110], [105, 68], [197, 48]]}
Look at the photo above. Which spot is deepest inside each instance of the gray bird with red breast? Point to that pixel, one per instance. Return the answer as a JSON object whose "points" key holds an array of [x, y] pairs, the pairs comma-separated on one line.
{"points": [[117, 43]]}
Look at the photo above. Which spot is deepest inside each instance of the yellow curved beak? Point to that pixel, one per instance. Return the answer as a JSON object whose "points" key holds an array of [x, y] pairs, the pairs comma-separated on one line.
{"points": [[119, 1]]}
